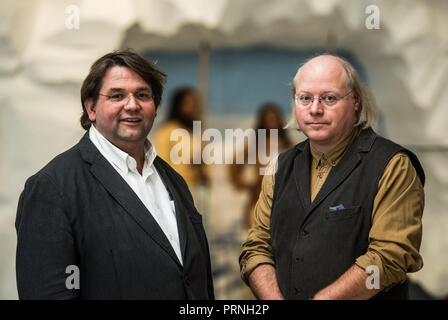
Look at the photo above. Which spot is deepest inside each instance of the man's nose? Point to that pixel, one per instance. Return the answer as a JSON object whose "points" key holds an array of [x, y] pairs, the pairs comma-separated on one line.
{"points": [[132, 103], [316, 107]]}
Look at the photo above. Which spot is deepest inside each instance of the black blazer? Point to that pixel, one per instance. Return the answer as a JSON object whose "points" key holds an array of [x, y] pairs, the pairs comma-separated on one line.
{"points": [[79, 211]]}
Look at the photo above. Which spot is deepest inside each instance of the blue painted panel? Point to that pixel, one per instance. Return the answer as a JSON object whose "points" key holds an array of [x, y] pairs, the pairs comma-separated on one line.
{"points": [[240, 80]]}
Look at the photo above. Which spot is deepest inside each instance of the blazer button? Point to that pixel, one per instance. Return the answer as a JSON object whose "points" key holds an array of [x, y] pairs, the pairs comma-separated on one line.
{"points": [[299, 260], [187, 281], [297, 291], [304, 233]]}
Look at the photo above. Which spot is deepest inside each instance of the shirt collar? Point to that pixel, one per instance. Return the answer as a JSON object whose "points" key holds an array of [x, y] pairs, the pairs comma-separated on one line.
{"points": [[335, 154], [122, 160], [150, 155]]}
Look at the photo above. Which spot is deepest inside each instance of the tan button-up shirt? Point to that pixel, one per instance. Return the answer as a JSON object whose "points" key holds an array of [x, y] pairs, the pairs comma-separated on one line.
{"points": [[396, 232]]}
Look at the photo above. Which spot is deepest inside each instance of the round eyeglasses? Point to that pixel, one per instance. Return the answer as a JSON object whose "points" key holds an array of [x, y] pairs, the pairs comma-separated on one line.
{"points": [[329, 100], [119, 97]]}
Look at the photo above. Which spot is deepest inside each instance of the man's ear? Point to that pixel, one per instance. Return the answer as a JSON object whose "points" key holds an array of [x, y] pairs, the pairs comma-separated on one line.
{"points": [[90, 107], [357, 101]]}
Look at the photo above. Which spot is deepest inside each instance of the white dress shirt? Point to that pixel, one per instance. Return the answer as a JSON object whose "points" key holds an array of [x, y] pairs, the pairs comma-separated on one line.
{"points": [[148, 186]]}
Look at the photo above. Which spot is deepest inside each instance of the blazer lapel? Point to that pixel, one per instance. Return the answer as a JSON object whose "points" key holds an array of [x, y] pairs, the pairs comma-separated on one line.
{"points": [[181, 213], [124, 195]]}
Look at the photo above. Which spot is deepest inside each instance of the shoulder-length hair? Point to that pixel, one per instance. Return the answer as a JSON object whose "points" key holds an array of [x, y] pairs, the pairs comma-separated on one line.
{"points": [[367, 110]]}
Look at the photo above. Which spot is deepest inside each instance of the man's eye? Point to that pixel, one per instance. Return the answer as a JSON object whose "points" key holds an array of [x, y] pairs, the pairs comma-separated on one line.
{"points": [[330, 98], [305, 98], [143, 96], [118, 96]]}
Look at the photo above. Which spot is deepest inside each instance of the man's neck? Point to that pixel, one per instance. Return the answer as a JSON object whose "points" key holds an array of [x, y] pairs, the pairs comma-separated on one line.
{"points": [[326, 148], [136, 152], [323, 148], [134, 149]]}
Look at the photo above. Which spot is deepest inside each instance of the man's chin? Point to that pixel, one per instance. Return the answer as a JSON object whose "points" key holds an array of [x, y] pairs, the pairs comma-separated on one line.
{"points": [[132, 136], [317, 135]]}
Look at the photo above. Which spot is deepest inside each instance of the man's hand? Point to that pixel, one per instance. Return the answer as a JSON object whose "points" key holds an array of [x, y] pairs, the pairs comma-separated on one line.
{"points": [[350, 286], [263, 282]]}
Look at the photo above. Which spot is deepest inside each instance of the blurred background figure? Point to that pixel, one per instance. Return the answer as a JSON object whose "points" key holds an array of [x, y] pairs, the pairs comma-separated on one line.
{"points": [[247, 177], [184, 108]]}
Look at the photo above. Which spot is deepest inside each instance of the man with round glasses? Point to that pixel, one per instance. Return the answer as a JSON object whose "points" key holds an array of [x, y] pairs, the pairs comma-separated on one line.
{"points": [[340, 215], [109, 219]]}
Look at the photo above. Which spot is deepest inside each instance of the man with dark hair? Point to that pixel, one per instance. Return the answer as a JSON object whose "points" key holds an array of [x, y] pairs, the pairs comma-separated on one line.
{"points": [[109, 219]]}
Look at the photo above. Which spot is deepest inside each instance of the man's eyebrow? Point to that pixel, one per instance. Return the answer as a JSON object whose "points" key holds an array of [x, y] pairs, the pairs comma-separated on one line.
{"points": [[115, 89], [121, 89], [323, 92], [143, 89]]}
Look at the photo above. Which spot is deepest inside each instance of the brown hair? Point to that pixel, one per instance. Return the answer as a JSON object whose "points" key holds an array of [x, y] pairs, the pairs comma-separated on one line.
{"points": [[126, 58]]}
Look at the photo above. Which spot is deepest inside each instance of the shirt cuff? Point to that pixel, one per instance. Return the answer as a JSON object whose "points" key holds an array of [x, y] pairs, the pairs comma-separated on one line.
{"points": [[388, 278], [250, 264]]}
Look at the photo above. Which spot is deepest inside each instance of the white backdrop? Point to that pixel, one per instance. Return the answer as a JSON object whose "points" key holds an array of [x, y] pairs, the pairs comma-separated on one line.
{"points": [[43, 62]]}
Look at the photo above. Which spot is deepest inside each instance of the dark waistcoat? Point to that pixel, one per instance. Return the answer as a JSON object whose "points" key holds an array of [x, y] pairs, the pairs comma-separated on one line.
{"points": [[314, 243]]}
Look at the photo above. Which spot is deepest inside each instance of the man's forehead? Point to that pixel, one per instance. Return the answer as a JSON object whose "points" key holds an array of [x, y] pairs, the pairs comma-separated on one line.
{"points": [[120, 76], [324, 73]]}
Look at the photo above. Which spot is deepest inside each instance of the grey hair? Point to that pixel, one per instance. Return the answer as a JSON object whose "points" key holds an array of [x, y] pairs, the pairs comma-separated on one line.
{"points": [[367, 111]]}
